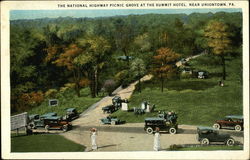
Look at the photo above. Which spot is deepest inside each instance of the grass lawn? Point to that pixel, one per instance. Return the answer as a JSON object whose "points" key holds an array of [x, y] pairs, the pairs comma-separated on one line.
{"points": [[196, 101], [67, 99], [208, 148], [44, 143]]}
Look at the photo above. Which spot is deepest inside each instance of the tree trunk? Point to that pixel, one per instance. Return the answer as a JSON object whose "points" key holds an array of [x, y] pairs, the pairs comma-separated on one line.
{"points": [[96, 81], [139, 84], [76, 80], [223, 67], [162, 82]]}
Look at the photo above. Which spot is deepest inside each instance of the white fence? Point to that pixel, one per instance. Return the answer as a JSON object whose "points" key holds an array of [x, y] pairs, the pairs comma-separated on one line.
{"points": [[19, 121]]}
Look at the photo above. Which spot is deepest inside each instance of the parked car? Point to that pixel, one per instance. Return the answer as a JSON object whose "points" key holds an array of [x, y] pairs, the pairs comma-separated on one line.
{"points": [[56, 122], [152, 122], [109, 109], [202, 74], [110, 120], [164, 121], [206, 135], [231, 121], [48, 122], [50, 114], [71, 114], [116, 104]]}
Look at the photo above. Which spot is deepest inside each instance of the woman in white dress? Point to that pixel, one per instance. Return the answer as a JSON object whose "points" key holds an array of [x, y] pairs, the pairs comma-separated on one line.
{"points": [[157, 144], [93, 138]]}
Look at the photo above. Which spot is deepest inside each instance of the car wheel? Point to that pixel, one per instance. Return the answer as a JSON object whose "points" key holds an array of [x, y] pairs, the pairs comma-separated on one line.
{"points": [[149, 130], [32, 125], [172, 130], [47, 127], [113, 123], [65, 128], [230, 142], [216, 126], [205, 141], [237, 128]]}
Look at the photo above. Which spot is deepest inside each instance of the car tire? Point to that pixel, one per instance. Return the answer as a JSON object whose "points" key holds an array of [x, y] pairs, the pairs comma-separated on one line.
{"points": [[216, 126], [113, 122], [47, 127], [230, 142], [32, 125], [65, 128], [149, 130], [172, 130], [205, 141], [238, 128]]}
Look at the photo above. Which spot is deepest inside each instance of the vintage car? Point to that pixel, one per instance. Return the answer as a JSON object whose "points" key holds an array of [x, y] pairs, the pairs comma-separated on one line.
{"points": [[110, 120], [116, 104], [71, 114], [56, 122], [202, 74], [165, 122], [48, 122], [48, 114], [206, 135], [232, 121]]}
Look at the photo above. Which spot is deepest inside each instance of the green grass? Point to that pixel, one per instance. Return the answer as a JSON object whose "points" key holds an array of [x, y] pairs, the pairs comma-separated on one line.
{"points": [[67, 99], [208, 148], [44, 143], [196, 101]]}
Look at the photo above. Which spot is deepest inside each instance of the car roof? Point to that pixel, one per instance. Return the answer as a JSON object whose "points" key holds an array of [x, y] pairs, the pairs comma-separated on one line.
{"points": [[49, 114], [153, 119], [70, 109], [205, 128], [235, 116], [53, 117]]}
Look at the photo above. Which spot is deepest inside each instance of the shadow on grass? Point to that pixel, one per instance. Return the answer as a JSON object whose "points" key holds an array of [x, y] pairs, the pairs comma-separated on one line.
{"points": [[180, 85]]}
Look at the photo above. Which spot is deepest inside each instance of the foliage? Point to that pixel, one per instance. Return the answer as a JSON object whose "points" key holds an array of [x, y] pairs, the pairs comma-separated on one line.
{"points": [[44, 143], [194, 97], [50, 52], [217, 35], [165, 64], [109, 86]]}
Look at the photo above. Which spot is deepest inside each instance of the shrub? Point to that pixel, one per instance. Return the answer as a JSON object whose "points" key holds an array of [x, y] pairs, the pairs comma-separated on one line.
{"points": [[109, 86], [51, 93], [31, 99]]}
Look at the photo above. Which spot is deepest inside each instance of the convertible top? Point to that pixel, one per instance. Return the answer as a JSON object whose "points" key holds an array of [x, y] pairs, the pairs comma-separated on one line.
{"points": [[235, 116], [205, 128]]}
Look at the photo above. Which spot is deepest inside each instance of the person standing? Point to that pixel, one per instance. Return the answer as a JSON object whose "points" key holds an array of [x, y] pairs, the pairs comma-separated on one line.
{"points": [[157, 144], [93, 138]]}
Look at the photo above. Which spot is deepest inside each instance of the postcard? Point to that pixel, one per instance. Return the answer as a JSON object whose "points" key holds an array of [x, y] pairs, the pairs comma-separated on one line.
{"points": [[125, 79]]}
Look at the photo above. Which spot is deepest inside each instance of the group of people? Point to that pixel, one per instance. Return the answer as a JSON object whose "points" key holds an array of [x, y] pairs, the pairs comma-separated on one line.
{"points": [[156, 146]]}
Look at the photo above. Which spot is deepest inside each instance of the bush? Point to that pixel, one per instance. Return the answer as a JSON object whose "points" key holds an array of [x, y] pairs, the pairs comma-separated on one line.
{"points": [[175, 147], [51, 93], [31, 99], [109, 86], [186, 75]]}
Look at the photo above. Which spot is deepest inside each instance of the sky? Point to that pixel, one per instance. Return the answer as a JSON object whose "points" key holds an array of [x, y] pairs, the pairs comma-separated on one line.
{"points": [[34, 14]]}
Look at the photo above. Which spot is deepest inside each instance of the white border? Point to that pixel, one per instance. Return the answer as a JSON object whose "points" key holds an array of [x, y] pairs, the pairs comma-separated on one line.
{"points": [[6, 6]]}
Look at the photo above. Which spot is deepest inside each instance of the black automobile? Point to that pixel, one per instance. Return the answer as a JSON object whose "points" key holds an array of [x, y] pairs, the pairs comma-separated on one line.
{"points": [[206, 135], [166, 122], [71, 114]]}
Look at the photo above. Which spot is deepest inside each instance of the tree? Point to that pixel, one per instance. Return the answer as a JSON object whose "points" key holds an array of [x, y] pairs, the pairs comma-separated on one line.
{"points": [[138, 69], [218, 39], [164, 64], [97, 49]]}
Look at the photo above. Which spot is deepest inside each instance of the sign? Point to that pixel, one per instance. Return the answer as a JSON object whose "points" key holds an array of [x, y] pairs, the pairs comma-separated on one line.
{"points": [[53, 102], [18, 121]]}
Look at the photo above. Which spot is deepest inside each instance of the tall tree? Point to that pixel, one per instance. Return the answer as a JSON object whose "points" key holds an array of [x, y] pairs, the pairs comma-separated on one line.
{"points": [[218, 39], [138, 68], [97, 49], [164, 64]]}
